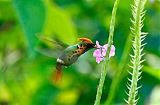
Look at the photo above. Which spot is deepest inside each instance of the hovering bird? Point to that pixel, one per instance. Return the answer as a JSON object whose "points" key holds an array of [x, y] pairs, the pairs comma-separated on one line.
{"points": [[70, 54]]}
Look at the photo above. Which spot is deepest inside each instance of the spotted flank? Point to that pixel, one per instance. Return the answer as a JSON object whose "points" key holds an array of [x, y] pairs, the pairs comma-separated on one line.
{"points": [[80, 50]]}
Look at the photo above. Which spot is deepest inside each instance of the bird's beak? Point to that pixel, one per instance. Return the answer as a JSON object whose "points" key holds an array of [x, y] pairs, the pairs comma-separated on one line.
{"points": [[95, 46]]}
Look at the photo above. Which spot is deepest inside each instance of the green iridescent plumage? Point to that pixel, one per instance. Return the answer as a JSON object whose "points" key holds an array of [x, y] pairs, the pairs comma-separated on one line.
{"points": [[71, 54]]}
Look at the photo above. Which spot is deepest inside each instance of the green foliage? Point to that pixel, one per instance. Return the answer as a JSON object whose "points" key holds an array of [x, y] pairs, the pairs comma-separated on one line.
{"points": [[25, 81], [58, 23], [32, 15], [45, 95]]}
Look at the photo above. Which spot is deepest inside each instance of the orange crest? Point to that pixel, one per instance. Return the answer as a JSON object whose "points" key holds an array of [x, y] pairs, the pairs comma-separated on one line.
{"points": [[86, 40]]}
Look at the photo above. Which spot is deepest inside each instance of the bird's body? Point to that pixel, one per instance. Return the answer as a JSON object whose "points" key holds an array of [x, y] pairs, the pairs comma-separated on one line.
{"points": [[71, 54]]}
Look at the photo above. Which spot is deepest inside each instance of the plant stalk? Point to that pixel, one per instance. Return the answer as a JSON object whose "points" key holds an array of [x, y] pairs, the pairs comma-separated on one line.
{"points": [[106, 61]]}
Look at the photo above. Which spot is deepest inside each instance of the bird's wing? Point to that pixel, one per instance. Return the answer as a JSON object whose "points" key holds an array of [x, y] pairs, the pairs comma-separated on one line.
{"points": [[52, 42], [50, 47], [48, 52]]}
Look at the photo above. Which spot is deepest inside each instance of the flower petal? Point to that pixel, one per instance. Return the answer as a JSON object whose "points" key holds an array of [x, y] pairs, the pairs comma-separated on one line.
{"points": [[105, 46], [104, 52], [98, 45], [97, 53], [99, 59], [101, 52], [112, 52], [104, 49]]}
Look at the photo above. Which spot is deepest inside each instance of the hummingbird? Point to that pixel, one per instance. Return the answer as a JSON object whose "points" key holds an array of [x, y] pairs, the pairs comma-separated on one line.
{"points": [[70, 54]]}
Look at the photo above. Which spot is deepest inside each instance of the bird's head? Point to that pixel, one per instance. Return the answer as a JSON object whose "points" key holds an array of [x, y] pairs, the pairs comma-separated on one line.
{"points": [[88, 42]]}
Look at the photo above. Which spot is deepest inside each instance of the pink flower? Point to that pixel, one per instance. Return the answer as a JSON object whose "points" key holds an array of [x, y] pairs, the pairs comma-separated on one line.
{"points": [[100, 52]]}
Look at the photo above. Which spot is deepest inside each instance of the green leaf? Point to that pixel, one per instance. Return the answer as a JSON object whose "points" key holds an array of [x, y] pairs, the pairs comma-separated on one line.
{"points": [[31, 14], [59, 23], [152, 71]]}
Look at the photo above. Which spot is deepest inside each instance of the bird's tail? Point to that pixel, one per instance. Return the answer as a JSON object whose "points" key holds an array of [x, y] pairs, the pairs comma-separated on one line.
{"points": [[58, 72]]}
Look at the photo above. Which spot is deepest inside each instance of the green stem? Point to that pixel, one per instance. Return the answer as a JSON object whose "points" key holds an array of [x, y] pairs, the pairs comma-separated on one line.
{"points": [[120, 73], [106, 61], [137, 49], [101, 82]]}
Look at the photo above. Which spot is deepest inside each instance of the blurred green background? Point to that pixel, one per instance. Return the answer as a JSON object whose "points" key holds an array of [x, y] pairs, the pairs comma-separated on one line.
{"points": [[25, 74]]}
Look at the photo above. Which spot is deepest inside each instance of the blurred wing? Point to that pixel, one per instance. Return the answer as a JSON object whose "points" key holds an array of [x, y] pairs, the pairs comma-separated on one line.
{"points": [[48, 52], [54, 43], [50, 47]]}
